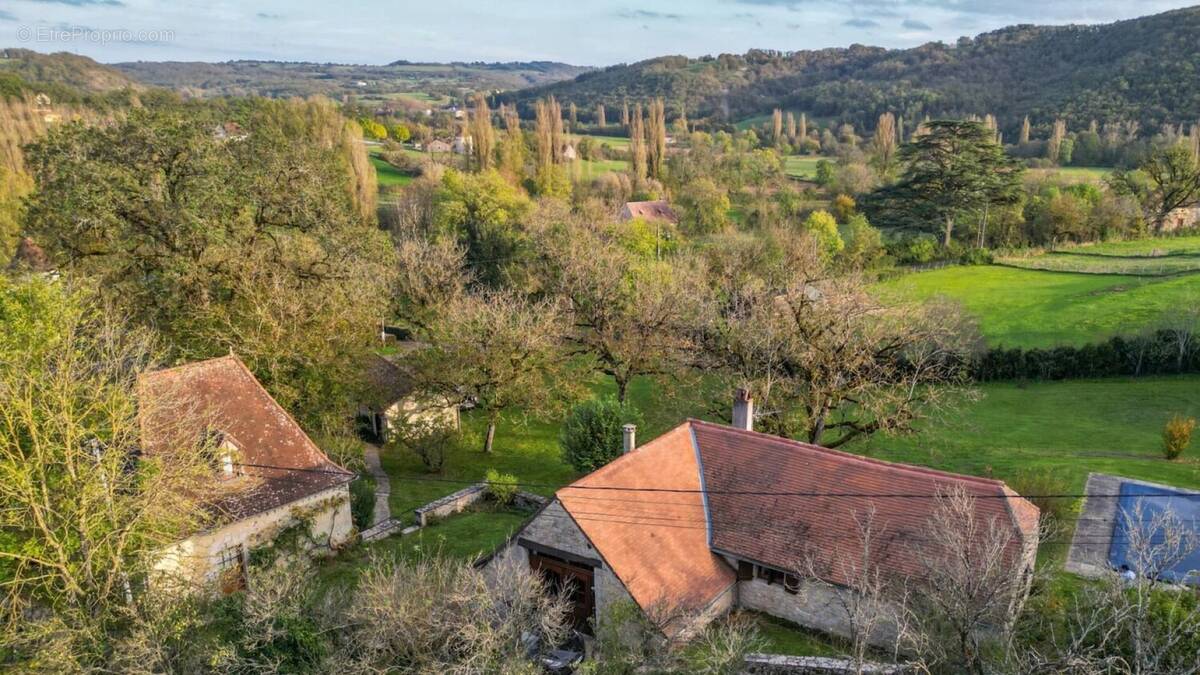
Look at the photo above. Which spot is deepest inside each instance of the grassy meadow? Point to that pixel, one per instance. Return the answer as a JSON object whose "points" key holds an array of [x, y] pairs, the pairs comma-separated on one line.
{"points": [[387, 175], [1073, 174], [1034, 308], [802, 166]]}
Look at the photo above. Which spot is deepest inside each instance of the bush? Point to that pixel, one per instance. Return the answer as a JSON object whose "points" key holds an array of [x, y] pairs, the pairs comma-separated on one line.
{"points": [[591, 434], [1035, 485], [429, 442], [976, 256], [501, 487], [362, 501], [1177, 435]]}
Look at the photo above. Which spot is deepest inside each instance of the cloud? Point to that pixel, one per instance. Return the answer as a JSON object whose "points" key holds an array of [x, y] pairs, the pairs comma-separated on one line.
{"points": [[643, 14], [270, 17], [82, 3], [861, 23], [7, 16], [913, 24]]}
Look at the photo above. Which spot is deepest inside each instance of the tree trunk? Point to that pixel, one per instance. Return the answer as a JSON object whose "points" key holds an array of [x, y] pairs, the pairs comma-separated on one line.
{"points": [[491, 435], [949, 229], [622, 388]]}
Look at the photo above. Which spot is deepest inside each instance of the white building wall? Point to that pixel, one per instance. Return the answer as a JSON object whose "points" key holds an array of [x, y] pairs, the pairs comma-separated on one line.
{"points": [[193, 560]]}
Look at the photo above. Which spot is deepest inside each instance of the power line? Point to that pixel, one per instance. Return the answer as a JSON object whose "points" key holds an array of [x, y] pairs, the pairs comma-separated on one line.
{"points": [[755, 493]]}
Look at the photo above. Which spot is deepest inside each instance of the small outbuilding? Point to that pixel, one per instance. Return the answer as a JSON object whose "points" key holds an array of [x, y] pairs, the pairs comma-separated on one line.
{"points": [[652, 210]]}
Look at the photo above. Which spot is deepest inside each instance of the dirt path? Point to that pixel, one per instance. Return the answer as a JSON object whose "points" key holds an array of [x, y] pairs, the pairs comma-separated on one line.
{"points": [[383, 488]]}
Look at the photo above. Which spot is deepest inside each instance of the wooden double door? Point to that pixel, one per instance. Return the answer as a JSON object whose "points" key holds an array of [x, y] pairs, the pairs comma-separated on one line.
{"points": [[573, 579]]}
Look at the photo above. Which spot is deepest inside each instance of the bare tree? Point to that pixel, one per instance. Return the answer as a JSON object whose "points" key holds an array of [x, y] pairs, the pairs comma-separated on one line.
{"points": [[600, 121], [498, 352], [483, 136], [656, 137], [884, 143], [975, 575], [821, 353], [1023, 139], [776, 126], [1183, 324], [637, 146], [631, 316], [84, 510]]}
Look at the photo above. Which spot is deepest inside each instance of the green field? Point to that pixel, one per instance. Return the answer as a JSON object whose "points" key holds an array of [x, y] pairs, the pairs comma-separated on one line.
{"points": [[1084, 262], [1073, 174], [1169, 246], [615, 142], [1027, 308], [387, 175], [802, 166]]}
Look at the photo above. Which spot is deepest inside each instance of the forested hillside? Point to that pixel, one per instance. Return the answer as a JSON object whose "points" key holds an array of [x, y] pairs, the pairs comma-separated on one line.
{"points": [[61, 73], [1144, 70], [278, 78]]}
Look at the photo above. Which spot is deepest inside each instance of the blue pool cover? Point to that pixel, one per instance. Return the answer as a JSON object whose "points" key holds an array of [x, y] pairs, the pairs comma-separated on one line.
{"points": [[1185, 509]]}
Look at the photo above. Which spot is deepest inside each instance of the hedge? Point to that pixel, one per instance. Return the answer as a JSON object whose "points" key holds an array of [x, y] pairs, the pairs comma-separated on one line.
{"points": [[1152, 354]]}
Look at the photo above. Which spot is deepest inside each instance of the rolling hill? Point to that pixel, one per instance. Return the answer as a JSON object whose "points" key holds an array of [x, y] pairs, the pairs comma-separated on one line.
{"points": [[1142, 69]]}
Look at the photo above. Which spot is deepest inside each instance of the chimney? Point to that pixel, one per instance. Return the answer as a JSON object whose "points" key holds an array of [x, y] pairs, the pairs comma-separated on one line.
{"points": [[627, 433], [743, 410]]}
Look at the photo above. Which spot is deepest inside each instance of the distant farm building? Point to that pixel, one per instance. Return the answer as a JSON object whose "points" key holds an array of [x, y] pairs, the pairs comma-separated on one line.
{"points": [[393, 401], [462, 145], [1181, 218], [652, 210], [438, 146]]}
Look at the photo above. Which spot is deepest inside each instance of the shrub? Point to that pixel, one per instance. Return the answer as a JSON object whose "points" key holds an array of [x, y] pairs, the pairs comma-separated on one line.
{"points": [[362, 501], [976, 256], [1037, 485], [429, 442], [1177, 435], [591, 434], [501, 487]]}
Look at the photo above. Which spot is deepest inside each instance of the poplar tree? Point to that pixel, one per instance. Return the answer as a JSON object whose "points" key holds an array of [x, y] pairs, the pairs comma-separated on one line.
{"points": [[1054, 145], [637, 146], [483, 136], [557, 137], [1023, 139], [512, 155], [656, 136], [791, 127], [574, 112], [625, 114], [543, 134], [803, 131], [776, 126], [600, 121], [884, 143]]}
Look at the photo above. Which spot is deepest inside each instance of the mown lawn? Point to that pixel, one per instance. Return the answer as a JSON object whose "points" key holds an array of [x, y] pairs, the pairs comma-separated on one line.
{"points": [[1086, 262], [1066, 428], [523, 447], [465, 536], [387, 175], [1074, 174], [1030, 308]]}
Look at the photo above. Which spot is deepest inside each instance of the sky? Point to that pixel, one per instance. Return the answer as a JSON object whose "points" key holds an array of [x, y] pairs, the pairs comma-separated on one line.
{"points": [[583, 32]]}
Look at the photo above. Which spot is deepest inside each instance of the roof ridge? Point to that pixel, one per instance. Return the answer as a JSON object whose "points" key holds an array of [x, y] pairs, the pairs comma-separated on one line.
{"points": [[608, 468], [190, 364], [991, 482]]}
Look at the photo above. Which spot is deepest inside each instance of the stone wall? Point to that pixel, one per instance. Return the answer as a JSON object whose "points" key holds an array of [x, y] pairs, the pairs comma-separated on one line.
{"points": [[554, 528], [814, 605], [192, 561], [775, 664], [451, 504]]}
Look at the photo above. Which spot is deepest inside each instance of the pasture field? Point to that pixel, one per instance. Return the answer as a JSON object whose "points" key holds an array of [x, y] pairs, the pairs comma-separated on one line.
{"points": [[1033, 308], [1084, 262], [615, 142], [591, 168], [801, 166], [1073, 174], [1167, 246]]}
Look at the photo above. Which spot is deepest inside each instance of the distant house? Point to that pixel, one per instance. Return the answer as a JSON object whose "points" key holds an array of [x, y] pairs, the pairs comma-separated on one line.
{"points": [[707, 518], [393, 400], [269, 474], [230, 131], [462, 145], [29, 257], [438, 146], [1181, 218], [654, 210]]}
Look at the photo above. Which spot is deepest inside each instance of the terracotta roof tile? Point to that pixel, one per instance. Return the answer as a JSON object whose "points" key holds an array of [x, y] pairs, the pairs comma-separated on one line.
{"points": [[784, 530], [222, 395], [653, 210], [655, 543]]}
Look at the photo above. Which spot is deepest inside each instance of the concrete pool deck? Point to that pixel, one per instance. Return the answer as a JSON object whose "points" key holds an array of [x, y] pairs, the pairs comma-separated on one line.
{"points": [[1088, 555]]}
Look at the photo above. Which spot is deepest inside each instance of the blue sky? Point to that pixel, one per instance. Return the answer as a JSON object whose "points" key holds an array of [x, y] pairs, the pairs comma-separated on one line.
{"points": [[589, 32]]}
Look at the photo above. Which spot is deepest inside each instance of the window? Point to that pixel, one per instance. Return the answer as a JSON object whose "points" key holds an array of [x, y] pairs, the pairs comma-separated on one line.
{"points": [[230, 568], [745, 571]]}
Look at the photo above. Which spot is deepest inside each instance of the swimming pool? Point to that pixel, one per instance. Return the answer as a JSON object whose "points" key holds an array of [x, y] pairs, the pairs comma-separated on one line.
{"points": [[1184, 507]]}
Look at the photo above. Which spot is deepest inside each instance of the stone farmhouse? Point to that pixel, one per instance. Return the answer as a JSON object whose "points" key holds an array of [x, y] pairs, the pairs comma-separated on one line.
{"points": [[707, 518], [652, 210], [270, 474], [438, 146]]}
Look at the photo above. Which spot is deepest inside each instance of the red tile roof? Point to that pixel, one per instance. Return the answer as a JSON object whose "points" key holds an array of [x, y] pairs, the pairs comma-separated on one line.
{"points": [[808, 524], [655, 210], [280, 462], [654, 542], [659, 514]]}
